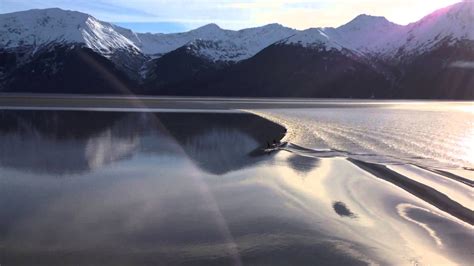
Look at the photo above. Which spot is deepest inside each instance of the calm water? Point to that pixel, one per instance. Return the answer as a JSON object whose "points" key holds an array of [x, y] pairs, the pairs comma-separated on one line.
{"points": [[118, 188]]}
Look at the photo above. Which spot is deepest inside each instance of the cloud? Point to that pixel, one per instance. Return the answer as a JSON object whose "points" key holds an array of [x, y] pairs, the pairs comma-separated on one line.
{"points": [[462, 64]]}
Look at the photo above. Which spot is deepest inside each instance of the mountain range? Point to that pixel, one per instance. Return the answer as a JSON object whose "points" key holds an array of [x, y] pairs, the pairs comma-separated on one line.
{"points": [[59, 51]]}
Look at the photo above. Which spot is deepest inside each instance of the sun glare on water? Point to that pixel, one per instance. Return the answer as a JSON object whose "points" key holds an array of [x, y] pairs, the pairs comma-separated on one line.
{"points": [[468, 108], [469, 145]]}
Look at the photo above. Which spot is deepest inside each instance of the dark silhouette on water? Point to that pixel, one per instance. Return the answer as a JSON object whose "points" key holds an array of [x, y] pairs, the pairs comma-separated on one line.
{"points": [[275, 144], [343, 211]]}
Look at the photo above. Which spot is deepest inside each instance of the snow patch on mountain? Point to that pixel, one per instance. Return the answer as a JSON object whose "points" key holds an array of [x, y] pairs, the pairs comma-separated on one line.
{"points": [[462, 64], [314, 38]]}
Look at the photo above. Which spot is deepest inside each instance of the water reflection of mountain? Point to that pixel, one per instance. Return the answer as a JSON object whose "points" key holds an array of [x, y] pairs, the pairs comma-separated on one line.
{"points": [[219, 143], [69, 142]]}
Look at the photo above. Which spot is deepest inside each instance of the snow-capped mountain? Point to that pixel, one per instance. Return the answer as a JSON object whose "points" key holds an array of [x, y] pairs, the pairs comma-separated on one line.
{"points": [[44, 50], [235, 46], [451, 24], [378, 36], [211, 42], [46, 26], [37, 28], [364, 34]]}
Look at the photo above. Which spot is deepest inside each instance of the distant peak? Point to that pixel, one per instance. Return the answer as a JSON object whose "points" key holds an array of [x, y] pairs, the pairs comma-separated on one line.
{"points": [[365, 21], [54, 9], [210, 26], [369, 19], [274, 25], [367, 16]]}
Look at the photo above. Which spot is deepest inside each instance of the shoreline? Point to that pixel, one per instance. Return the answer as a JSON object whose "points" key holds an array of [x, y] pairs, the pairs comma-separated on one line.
{"points": [[10, 101], [213, 98]]}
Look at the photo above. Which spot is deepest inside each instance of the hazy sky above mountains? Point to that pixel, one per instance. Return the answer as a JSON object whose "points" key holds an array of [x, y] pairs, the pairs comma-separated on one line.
{"points": [[175, 16]]}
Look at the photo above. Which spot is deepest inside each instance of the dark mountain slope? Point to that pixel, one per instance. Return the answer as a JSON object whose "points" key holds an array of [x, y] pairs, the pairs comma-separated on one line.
{"points": [[63, 69], [178, 73], [446, 72], [295, 71]]}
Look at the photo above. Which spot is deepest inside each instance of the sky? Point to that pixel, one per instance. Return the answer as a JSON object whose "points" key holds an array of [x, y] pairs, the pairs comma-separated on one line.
{"points": [[177, 16]]}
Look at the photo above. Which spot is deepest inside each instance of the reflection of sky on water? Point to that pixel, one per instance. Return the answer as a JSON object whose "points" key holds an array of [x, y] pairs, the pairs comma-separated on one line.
{"points": [[147, 189]]}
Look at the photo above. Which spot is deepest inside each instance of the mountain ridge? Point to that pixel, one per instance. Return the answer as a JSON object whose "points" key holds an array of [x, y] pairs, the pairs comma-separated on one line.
{"points": [[361, 33], [158, 63]]}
